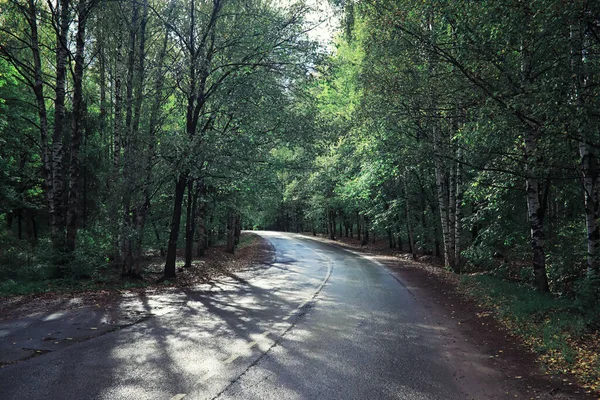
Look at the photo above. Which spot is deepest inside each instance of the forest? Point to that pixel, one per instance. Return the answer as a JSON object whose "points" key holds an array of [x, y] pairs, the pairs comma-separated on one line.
{"points": [[468, 131]]}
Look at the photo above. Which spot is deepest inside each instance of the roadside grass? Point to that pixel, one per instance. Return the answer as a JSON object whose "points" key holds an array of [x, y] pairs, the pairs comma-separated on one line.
{"points": [[247, 240], [563, 331], [21, 287]]}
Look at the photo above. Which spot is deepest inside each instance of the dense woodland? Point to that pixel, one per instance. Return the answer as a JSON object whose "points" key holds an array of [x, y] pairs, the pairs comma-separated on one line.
{"points": [[464, 130], [131, 125], [467, 130]]}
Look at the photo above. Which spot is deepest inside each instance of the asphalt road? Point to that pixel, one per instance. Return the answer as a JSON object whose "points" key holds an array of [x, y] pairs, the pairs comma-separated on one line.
{"points": [[319, 323]]}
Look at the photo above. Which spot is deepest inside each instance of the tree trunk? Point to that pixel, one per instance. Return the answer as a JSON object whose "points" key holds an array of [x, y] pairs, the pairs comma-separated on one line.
{"points": [[190, 225], [536, 195], [458, 212], [391, 242], [20, 224], [147, 160], [358, 231], [158, 239], [443, 201], [34, 228], [426, 241], [129, 150], [331, 225], [589, 162], [57, 217], [365, 239], [452, 213], [590, 169], [211, 233], [436, 229], [409, 229], [77, 128], [202, 242], [102, 84], [238, 229], [230, 248], [38, 90], [170, 271], [536, 207], [112, 183]]}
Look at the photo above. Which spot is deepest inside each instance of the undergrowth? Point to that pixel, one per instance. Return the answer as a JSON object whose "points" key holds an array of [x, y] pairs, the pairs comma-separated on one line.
{"points": [[25, 269], [563, 331]]}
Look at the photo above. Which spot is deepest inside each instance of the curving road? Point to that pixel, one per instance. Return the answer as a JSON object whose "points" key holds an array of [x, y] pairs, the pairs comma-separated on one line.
{"points": [[318, 323]]}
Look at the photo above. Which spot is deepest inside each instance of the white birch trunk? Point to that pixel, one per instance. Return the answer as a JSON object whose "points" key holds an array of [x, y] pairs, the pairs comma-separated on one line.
{"points": [[536, 211], [458, 212], [588, 160], [442, 192]]}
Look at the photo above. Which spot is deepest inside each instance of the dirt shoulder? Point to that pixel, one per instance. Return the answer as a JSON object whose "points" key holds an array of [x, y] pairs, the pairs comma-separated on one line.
{"points": [[474, 341], [40, 323]]}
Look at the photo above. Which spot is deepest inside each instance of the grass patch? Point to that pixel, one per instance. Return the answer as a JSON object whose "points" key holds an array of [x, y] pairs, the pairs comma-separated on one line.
{"points": [[561, 330], [11, 288], [247, 240]]}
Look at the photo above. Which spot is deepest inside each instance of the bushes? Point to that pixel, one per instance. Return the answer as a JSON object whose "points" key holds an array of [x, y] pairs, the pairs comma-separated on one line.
{"points": [[587, 301], [561, 329], [542, 319], [25, 268]]}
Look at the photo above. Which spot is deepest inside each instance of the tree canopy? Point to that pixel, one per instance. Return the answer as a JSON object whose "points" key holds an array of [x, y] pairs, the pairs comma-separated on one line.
{"points": [[463, 130]]}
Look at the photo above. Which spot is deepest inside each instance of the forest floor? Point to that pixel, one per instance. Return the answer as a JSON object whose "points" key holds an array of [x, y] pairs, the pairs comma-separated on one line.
{"points": [[251, 250], [565, 364], [35, 324]]}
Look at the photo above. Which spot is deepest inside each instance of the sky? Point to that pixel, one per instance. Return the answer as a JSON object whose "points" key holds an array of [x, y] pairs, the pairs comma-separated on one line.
{"points": [[321, 18], [324, 17]]}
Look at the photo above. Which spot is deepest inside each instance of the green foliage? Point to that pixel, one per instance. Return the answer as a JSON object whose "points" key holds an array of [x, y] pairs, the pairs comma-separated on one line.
{"points": [[534, 315], [560, 329], [479, 258], [588, 300], [28, 269]]}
